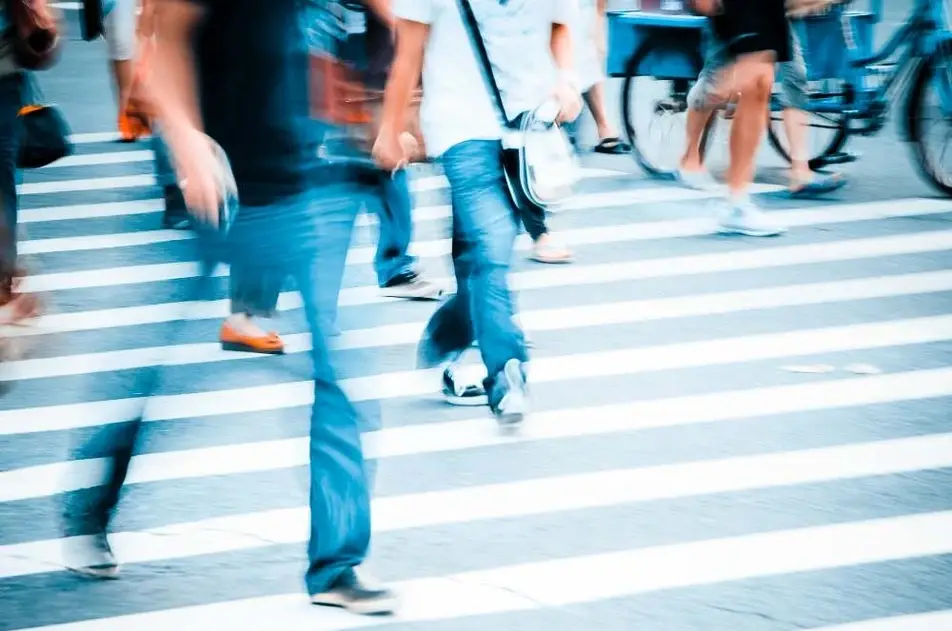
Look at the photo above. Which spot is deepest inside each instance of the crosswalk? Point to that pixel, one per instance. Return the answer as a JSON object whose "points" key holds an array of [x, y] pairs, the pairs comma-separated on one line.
{"points": [[727, 434]]}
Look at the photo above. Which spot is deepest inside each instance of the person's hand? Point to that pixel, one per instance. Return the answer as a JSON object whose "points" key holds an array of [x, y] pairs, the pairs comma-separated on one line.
{"points": [[707, 7], [570, 103], [198, 173], [392, 150]]}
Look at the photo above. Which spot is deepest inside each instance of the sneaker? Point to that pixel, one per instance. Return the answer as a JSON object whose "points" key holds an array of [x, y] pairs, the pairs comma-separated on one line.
{"points": [[411, 286], [460, 393], [747, 219], [175, 216], [511, 409], [354, 594], [92, 556], [696, 180]]}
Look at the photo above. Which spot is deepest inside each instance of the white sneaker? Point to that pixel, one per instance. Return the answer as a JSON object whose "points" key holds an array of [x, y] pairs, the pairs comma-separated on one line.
{"points": [[747, 219]]}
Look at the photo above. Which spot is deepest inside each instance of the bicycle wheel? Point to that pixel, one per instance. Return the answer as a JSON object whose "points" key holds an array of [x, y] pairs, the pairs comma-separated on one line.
{"points": [[934, 77], [828, 133], [658, 137]]}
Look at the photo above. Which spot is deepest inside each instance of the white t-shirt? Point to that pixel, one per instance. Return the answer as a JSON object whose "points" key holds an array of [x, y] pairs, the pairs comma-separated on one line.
{"points": [[588, 63], [457, 105]]}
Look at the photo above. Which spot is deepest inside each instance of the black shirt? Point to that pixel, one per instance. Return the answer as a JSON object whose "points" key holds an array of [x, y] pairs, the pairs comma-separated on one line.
{"points": [[749, 26], [252, 62]]}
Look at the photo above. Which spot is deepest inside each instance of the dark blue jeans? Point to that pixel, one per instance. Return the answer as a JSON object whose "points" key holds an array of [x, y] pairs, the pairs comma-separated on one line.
{"points": [[305, 238], [164, 173], [395, 228], [10, 103], [485, 225]]}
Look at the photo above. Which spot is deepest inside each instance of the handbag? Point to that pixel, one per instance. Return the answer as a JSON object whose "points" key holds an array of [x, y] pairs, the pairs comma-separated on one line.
{"points": [[43, 131], [539, 163], [343, 90], [36, 40]]}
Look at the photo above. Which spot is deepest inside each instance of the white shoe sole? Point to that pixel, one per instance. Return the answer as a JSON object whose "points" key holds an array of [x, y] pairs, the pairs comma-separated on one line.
{"points": [[513, 406], [373, 607], [748, 232]]}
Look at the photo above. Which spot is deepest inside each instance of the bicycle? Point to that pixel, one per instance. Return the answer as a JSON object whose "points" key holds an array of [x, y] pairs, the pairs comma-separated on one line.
{"points": [[838, 47]]}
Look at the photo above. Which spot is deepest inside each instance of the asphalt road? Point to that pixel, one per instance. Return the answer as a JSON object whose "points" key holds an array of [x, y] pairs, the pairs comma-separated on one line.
{"points": [[728, 434]]}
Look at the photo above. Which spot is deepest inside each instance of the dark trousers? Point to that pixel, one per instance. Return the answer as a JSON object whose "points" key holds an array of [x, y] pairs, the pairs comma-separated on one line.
{"points": [[10, 102]]}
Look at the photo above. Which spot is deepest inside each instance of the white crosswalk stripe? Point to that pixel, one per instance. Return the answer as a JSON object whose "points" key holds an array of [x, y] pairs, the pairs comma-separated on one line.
{"points": [[702, 429]]}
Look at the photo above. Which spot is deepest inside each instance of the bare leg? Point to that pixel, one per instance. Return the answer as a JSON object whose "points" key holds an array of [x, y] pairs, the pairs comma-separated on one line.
{"points": [[795, 127], [122, 72], [595, 98], [750, 123], [696, 122]]}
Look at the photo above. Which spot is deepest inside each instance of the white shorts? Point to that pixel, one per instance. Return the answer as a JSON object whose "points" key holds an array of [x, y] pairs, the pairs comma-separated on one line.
{"points": [[120, 30], [588, 65]]}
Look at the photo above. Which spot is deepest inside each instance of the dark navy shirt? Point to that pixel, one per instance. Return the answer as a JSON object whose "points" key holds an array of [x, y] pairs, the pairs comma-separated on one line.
{"points": [[252, 63], [749, 26]]}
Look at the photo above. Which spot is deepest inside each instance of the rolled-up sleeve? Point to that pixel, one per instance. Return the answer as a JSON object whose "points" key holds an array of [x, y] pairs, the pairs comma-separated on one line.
{"points": [[422, 11], [565, 12]]}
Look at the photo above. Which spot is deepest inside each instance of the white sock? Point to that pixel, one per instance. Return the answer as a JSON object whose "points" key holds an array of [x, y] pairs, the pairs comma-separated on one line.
{"points": [[739, 198]]}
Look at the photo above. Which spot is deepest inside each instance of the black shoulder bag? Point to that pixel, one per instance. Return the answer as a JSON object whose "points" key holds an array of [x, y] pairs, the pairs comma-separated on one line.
{"points": [[538, 160]]}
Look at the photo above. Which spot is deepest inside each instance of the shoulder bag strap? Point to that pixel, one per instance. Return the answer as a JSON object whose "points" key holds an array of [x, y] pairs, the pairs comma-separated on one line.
{"points": [[479, 46]]}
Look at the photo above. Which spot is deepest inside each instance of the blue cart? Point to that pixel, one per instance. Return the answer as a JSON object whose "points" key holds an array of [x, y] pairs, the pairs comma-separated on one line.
{"points": [[659, 56]]}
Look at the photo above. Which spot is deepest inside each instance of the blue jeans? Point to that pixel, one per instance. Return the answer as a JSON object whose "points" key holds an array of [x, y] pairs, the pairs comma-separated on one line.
{"points": [[306, 238], [10, 102], [164, 173], [395, 228], [485, 225]]}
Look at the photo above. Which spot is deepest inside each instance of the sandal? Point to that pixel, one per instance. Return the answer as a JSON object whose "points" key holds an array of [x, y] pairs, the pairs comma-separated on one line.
{"points": [[612, 146], [820, 185], [233, 340]]}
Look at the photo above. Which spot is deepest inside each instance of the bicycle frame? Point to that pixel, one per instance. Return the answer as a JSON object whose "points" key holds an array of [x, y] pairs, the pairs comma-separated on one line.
{"points": [[918, 36]]}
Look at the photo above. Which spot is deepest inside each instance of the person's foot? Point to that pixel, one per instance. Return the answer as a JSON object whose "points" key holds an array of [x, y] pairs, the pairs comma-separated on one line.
{"points": [[91, 556], [175, 216], [809, 184], [130, 127], [698, 179], [411, 286], [612, 145], [510, 393], [546, 250], [357, 595], [240, 333], [745, 218], [458, 392]]}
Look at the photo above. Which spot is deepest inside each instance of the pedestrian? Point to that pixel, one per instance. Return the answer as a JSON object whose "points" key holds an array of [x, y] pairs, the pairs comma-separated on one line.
{"points": [[589, 47], [15, 307], [756, 35], [803, 182], [254, 297], [529, 46], [236, 72], [119, 28]]}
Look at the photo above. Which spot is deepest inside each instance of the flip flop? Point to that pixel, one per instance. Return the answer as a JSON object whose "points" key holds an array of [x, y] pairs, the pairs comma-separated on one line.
{"points": [[818, 186], [612, 146]]}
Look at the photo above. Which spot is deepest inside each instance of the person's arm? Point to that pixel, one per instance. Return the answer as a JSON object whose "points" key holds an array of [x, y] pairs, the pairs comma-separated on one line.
{"points": [[175, 90], [413, 19], [174, 77], [567, 87]]}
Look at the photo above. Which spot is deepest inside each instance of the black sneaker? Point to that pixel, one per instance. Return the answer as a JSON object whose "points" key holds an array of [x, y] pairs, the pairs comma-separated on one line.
{"points": [[459, 393], [352, 593], [175, 216], [411, 286], [511, 408], [92, 556]]}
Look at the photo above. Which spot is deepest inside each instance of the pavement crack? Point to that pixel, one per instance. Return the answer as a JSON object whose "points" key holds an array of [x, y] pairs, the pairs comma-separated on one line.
{"points": [[755, 614]]}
